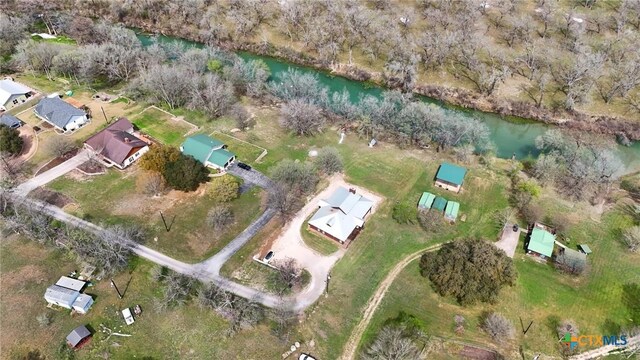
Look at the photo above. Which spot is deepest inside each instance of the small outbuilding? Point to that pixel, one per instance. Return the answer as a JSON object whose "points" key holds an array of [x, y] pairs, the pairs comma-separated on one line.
{"points": [[61, 296], [71, 283], [585, 249], [78, 337], [82, 303], [426, 200], [451, 211], [541, 243], [439, 203], [450, 177]]}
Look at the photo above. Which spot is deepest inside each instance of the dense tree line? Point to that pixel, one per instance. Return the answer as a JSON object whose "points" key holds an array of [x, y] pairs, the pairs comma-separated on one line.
{"points": [[563, 55]]}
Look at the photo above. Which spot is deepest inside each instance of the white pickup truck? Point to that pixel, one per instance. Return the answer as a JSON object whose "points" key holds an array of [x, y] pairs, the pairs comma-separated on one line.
{"points": [[128, 318]]}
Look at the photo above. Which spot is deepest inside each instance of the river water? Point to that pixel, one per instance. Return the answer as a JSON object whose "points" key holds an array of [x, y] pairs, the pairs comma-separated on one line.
{"points": [[509, 135]]}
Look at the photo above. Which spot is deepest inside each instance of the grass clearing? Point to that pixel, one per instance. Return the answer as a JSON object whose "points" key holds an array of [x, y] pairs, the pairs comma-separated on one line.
{"points": [[160, 126], [245, 151], [187, 332]]}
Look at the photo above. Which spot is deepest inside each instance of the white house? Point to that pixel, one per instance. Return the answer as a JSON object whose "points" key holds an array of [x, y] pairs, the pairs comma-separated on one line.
{"points": [[62, 115], [341, 216], [13, 94]]}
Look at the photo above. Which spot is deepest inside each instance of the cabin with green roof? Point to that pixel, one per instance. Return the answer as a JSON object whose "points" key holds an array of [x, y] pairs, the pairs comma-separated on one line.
{"points": [[439, 203], [450, 177], [209, 151], [541, 243], [451, 211], [426, 200]]}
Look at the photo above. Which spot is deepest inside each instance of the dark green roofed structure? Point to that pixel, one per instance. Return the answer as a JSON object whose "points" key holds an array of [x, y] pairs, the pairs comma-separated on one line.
{"points": [[209, 151], [450, 177]]}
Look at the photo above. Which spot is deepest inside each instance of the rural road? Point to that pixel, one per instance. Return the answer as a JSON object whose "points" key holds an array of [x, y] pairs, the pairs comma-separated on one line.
{"points": [[206, 271], [351, 347]]}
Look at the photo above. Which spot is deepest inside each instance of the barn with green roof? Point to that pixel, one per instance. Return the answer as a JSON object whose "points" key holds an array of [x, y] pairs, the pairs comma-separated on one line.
{"points": [[209, 151], [426, 200], [450, 177]]}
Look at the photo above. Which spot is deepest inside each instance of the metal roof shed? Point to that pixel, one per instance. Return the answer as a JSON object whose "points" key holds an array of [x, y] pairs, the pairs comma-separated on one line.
{"points": [[426, 200], [585, 248], [450, 173], [82, 303], [451, 211], [78, 336], [541, 242], [439, 203], [71, 283]]}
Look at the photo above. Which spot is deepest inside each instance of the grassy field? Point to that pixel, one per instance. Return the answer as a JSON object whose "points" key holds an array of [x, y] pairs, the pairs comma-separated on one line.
{"points": [[180, 333], [159, 125], [245, 152], [112, 198]]}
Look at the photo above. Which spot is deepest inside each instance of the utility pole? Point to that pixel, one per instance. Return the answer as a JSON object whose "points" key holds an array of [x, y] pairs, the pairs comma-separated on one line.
{"points": [[113, 284], [327, 281]]}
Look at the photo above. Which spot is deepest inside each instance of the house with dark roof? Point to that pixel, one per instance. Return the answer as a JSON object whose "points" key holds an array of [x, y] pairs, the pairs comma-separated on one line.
{"points": [[13, 94], [78, 337], [117, 145], [450, 177], [10, 121], [62, 115], [341, 216], [209, 151]]}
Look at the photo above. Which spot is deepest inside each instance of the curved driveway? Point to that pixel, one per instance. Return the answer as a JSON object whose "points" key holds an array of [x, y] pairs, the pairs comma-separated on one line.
{"points": [[208, 270]]}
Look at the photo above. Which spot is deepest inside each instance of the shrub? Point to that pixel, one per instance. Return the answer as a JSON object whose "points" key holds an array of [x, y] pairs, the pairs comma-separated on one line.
{"points": [[431, 221], [44, 319], [329, 160], [224, 188], [498, 327], [405, 213], [10, 140], [185, 174], [631, 238], [158, 157], [450, 267]]}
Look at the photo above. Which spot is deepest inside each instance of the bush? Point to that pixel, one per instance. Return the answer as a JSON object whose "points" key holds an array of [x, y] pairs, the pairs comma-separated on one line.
{"points": [[220, 218], [567, 326], [151, 183], [405, 213], [631, 238], [224, 189], [329, 160], [431, 221], [10, 140], [185, 174], [498, 327], [450, 267], [44, 319]]}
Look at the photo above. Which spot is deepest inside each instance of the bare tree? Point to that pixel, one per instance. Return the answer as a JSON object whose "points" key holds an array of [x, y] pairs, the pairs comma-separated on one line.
{"points": [[220, 217], [39, 56], [302, 117], [498, 327], [392, 344], [60, 145], [177, 291], [289, 274], [212, 95]]}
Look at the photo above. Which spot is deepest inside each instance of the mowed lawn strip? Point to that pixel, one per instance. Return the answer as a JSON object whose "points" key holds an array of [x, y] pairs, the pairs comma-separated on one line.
{"points": [[160, 126], [245, 152]]}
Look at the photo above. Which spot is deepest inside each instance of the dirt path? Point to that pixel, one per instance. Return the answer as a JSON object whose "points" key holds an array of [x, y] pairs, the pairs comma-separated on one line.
{"points": [[350, 348]]}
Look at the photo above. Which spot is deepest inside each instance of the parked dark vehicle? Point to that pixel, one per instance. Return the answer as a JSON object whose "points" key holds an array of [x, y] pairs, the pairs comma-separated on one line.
{"points": [[515, 227], [242, 165], [268, 257]]}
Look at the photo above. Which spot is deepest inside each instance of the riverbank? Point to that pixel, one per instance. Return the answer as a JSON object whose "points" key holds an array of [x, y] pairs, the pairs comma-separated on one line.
{"points": [[621, 128]]}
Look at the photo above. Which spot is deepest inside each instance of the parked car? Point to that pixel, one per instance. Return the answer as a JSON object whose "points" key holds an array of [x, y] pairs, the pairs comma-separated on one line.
{"points": [[128, 318], [306, 357], [268, 257], [242, 165], [515, 227]]}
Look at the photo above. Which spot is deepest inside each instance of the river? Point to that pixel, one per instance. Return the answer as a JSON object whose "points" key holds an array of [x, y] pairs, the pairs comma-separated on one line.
{"points": [[509, 135]]}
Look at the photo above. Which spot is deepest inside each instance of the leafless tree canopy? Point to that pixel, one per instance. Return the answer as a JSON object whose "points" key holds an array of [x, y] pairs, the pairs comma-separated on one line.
{"points": [[392, 344], [498, 327]]}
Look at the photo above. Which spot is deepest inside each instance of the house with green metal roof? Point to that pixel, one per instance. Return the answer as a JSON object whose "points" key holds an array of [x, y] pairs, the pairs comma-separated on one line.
{"points": [[439, 203], [426, 200], [450, 177], [209, 151], [541, 243], [451, 211]]}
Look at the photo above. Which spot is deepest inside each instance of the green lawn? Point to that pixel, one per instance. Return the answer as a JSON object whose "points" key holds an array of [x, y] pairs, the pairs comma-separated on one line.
{"points": [[112, 198], [187, 332], [159, 125], [245, 152]]}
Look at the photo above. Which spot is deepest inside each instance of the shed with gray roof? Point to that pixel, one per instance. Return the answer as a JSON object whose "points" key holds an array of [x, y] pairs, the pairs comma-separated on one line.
{"points": [[78, 336]]}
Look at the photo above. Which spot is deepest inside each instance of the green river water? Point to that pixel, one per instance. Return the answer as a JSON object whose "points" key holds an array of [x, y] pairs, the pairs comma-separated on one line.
{"points": [[509, 135]]}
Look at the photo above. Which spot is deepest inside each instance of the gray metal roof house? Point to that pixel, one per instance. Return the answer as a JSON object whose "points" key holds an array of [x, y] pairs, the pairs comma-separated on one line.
{"points": [[78, 336], [62, 115]]}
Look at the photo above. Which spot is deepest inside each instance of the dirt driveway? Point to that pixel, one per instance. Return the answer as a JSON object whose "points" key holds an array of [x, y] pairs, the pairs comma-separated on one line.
{"points": [[509, 240], [290, 244]]}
